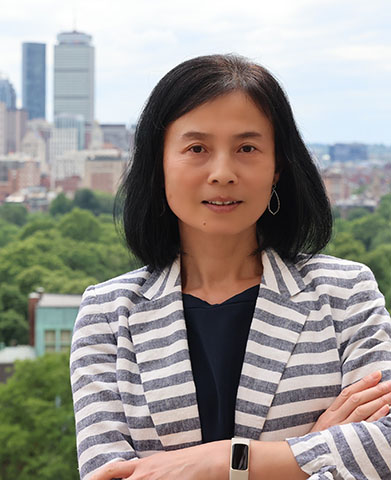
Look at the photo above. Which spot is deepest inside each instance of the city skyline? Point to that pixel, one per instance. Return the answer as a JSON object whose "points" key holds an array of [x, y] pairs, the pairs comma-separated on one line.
{"points": [[332, 58]]}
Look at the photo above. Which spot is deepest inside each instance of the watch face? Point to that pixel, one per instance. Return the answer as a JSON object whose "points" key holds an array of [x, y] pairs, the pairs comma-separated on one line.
{"points": [[239, 456]]}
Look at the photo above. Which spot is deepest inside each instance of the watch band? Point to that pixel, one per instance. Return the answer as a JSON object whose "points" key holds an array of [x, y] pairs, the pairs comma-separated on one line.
{"points": [[240, 459]]}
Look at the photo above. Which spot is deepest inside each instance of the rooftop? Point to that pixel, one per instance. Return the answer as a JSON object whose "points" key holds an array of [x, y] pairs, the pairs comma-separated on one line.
{"points": [[59, 300], [20, 352]]}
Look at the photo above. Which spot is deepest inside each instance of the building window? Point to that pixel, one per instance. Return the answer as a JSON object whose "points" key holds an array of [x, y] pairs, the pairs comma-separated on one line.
{"points": [[65, 339], [50, 340]]}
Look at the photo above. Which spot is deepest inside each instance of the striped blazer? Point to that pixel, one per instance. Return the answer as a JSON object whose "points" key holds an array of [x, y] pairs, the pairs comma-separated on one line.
{"points": [[319, 325]]}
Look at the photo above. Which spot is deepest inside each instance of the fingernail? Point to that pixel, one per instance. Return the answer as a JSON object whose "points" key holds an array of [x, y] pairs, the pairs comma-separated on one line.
{"points": [[376, 375]]}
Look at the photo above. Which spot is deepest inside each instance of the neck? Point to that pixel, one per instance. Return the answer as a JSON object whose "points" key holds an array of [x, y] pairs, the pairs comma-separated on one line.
{"points": [[215, 268]]}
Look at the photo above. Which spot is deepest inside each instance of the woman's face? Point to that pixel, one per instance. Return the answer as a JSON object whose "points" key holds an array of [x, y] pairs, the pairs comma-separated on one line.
{"points": [[219, 166]]}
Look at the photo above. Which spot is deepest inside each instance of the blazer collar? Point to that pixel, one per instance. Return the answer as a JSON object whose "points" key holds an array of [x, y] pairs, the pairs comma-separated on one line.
{"points": [[281, 276], [163, 281]]}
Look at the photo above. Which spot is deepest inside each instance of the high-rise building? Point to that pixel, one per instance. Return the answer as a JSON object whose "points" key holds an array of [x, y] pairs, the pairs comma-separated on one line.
{"points": [[3, 128], [117, 134], [7, 93], [34, 79], [74, 75], [69, 120], [348, 152], [16, 129]]}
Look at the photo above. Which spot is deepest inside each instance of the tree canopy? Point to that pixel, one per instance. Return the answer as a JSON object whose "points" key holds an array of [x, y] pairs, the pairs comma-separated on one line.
{"points": [[63, 253], [37, 432]]}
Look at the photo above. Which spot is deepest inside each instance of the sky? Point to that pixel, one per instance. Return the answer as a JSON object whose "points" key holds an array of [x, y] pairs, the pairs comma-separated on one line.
{"points": [[332, 57]]}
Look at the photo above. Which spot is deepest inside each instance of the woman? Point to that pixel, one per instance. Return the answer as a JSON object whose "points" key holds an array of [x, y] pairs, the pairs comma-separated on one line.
{"points": [[237, 327]]}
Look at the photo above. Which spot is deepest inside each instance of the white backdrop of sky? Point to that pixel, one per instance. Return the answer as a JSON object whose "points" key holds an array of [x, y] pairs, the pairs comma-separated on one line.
{"points": [[333, 57]]}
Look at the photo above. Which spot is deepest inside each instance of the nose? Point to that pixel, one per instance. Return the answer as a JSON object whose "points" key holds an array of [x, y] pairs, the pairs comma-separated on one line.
{"points": [[222, 170]]}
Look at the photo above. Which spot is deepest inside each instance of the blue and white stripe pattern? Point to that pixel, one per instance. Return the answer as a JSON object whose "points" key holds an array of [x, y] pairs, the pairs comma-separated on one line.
{"points": [[319, 325]]}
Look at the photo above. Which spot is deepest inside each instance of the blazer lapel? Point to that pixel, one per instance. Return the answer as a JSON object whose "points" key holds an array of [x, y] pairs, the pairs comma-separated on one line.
{"points": [[158, 331], [159, 337], [274, 331]]}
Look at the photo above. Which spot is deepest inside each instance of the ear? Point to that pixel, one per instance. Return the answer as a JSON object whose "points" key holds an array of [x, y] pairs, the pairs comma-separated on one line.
{"points": [[276, 177]]}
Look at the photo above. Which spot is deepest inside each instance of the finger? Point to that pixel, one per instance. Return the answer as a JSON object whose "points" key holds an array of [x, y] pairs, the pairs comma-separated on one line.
{"points": [[359, 404], [382, 412], [363, 384], [112, 470], [366, 410]]}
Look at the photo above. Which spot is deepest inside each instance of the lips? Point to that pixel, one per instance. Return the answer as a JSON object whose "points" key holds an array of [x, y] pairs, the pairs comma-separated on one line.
{"points": [[221, 201], [222, 205]]}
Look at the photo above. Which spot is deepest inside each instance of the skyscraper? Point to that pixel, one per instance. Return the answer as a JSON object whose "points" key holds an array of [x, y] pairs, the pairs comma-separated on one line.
{"points": [[7, 93], [74, 75], [34, 79]]}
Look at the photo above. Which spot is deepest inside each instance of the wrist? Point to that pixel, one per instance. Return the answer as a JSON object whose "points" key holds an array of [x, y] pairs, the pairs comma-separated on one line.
{"points": [[240, 459], [220, 456]]}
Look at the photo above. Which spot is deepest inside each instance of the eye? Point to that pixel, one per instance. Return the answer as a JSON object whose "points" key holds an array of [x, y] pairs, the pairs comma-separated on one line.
{"points": [[247, 149], [197, 149]]}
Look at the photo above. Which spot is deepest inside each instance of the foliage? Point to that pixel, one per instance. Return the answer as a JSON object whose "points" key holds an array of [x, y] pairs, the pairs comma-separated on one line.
{"points": [[94, 201], [384, 208], [62, 254], [37, 433], [13, 213], [13, 328], [366, 237], [357, 212], [8, 232], [80, 225], [60, 205], [36, 225]]}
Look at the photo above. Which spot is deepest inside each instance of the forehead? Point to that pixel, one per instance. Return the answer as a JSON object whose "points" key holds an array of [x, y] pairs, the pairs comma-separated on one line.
{"points": [[231, 112]]}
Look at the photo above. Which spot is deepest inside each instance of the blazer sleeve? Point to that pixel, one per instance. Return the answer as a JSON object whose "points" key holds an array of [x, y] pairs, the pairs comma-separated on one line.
{"points": [[356, 450], [99, 415]]}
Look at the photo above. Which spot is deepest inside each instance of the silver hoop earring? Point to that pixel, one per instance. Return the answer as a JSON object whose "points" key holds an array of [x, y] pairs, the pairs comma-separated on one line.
{"points": [[274, 192]]}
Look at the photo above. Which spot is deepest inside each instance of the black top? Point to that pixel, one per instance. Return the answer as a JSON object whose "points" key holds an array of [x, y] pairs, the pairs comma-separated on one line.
{"points": [[217, 336]]}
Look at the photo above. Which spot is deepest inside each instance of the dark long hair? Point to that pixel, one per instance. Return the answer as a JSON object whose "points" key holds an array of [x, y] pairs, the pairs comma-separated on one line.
{"points": [[304, 221]]}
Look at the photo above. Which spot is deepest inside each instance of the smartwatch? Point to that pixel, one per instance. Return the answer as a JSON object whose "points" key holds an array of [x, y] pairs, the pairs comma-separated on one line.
{"points": [[240, 459]]}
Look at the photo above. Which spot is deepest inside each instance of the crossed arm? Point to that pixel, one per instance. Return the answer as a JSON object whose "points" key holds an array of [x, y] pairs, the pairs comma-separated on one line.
{"points": [[368, 400]]}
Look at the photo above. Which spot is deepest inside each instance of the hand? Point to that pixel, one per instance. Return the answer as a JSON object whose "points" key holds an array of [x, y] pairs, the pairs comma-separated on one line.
{"points": [[121, 469], [366, 399], [209, 461]]}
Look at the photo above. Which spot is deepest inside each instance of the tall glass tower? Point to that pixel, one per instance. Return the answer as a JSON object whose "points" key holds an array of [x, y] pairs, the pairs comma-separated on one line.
{"points": [[74, 75], [7, 93], [34, 79]]}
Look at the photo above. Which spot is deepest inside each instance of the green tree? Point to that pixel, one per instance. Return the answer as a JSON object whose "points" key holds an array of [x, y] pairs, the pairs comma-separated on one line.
{"points": [[13, 213], [11, 298], [37, 434], [8, 232], [86, 199], [384, 207], [80, 225], [364, 228], [379, 261], [60, 205], [383, 237], [13, 328], [357, 212], [36, 225], [106, 203], [29, 279], [345, 246]]}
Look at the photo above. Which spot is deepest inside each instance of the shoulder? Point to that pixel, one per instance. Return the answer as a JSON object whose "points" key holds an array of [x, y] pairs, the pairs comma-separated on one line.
{"points": [[336, 272], [105, 302], [125, 289]]}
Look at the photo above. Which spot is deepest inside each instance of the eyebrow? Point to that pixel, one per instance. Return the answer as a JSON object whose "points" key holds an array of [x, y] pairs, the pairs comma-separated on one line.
{"points": [[193, 135]]}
